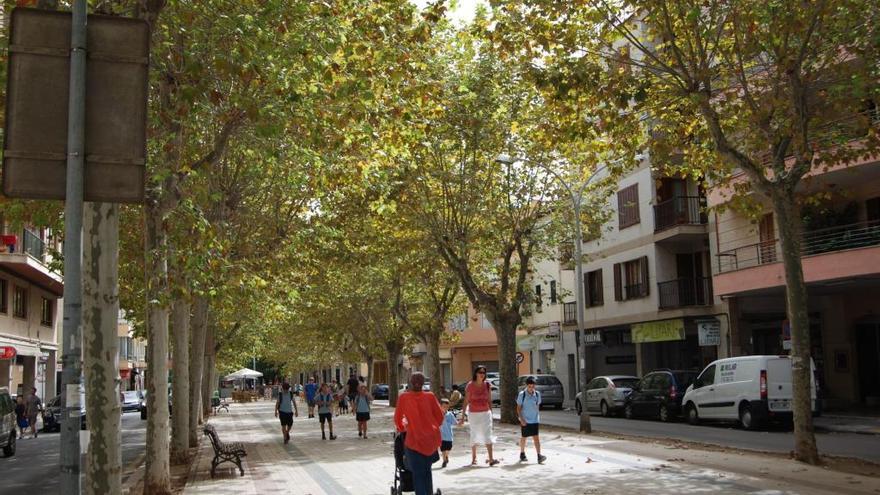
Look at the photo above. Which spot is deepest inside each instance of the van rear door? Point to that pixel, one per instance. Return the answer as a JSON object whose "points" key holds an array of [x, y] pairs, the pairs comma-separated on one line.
{"points": [[779, 384]]}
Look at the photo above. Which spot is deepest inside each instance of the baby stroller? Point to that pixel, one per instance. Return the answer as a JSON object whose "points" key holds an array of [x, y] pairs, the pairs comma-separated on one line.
{"points": [[403, 480]]}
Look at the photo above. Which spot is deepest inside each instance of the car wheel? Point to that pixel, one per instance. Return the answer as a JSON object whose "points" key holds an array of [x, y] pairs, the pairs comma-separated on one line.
{"points": [[577, 407], [628, 411], [663, 413], [9, 450], [603, 409], [746, 418], [693, 416]]}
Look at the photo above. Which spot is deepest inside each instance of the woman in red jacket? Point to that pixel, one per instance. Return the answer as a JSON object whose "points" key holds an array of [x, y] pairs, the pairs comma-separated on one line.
{"points": [[419, 415]]}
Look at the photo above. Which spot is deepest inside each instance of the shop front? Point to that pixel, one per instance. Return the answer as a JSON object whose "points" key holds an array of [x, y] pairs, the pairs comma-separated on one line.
{"points": [[673, 344]]}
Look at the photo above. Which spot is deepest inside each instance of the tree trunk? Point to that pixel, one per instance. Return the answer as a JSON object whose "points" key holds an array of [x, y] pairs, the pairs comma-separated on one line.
{"points": [[393, 348], [790, 227], [370, 362], [432, 360], [505, 331], [180, 397], [208, 380], [157, 477], [101, 346], [196, 366]]}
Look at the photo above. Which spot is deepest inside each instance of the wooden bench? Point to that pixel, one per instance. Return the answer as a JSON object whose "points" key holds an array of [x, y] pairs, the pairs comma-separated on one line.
{"points": [[224, 452]]}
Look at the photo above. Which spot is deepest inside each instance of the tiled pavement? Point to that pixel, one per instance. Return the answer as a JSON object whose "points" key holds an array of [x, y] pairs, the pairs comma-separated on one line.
{"points": [[349, 465]]}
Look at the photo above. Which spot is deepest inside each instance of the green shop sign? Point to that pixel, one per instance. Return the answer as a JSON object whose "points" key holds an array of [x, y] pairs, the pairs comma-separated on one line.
{"points": [[658, 331]]}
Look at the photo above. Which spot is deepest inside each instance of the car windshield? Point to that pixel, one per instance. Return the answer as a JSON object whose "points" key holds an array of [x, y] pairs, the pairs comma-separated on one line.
{"points": [[131, 395], [548, 380], [625, 382], [684, 379]]}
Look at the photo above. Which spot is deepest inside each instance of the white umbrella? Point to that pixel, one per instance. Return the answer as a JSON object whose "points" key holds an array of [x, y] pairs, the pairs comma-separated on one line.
{"points": [[244, 373]]}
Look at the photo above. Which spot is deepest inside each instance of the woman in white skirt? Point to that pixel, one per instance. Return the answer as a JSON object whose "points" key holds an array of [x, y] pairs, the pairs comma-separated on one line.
{"points": [[477, 408]]}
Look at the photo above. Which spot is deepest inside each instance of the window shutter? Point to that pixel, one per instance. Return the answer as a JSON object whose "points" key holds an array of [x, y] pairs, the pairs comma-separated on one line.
{"points": [[600, 287], [587, 290], [618, 285], [643, 269], [552, 292]]}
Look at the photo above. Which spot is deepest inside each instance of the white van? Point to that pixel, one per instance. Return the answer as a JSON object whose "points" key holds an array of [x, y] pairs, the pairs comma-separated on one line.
{"points": [[749, 389]]}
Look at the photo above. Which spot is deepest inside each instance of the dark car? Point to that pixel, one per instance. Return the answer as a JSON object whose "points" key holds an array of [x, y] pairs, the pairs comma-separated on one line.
{"points": [[659, 395], [380, 391], [52, 413], [552, 393], [7, 423]]}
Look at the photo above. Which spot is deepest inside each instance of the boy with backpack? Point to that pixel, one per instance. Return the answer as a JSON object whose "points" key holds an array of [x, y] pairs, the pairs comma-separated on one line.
{"points": [[449, 420], [325, 402], [528, 404], [285, 409]]}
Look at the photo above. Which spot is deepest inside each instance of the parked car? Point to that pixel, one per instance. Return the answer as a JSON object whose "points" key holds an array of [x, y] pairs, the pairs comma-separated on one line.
{"points": [[142, 408], [52, 412], [749, 389], [8, 432], [659, 394], [426, 387], [131, 400], [606, 394], [493, 375], [494, 390], [552, 393], [380, 391]]}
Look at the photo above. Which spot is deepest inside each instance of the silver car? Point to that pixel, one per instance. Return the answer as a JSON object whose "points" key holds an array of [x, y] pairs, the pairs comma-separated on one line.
{"points": [[552, 393], [606, 394]]}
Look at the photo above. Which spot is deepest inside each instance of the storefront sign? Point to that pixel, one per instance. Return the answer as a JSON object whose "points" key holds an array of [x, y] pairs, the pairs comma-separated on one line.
{"points": [[658, 331], [552, 332], [710, 332], [7, 352], [593, 338]]}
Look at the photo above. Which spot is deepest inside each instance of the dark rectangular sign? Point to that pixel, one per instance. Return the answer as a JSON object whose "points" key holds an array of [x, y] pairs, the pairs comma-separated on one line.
{"points": [[117, 85]]}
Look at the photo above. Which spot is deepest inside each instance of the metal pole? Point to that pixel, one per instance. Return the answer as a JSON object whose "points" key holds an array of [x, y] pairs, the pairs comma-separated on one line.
{"points": [[585, 425], [70, 456]]}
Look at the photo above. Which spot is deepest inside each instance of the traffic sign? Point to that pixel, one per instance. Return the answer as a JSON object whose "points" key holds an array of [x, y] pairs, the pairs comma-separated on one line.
{"points": [[7, 352], [520, 357]]}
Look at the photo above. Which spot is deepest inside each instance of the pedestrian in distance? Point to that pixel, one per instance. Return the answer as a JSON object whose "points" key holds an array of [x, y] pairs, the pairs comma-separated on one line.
{"points": [[419, 416], [455, 398], [449, 421], [476, 408], [311, 390], [21, 416], [528, 406], [362, 409], [286, 409], [33, 405], [325, 401], [343, 403], [352, 386]]}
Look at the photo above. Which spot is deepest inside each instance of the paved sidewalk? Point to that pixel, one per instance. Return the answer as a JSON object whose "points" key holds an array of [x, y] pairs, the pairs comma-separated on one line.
{"points": [[576, 464]]}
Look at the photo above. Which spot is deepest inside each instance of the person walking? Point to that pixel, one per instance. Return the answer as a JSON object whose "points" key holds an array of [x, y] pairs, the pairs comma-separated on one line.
{"points": [[476, 408], [362, 409], [352, 386], [311, 390], [286, 409], [418, 416], [21, 416], [33, 406], [324, 400], [455, 398], [446, 431], [528, 406]]}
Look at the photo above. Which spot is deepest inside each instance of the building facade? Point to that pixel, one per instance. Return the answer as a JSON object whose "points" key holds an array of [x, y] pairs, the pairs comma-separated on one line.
{"points": [[647, 284], [30, 312], [841, 264], [132, 356]]}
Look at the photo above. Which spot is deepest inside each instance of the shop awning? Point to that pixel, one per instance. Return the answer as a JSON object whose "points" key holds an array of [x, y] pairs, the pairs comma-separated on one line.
{"points": [[21, 348]]}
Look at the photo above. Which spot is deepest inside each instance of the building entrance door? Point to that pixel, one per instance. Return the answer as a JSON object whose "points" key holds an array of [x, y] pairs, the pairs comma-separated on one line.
{"points": [[868, 344]]}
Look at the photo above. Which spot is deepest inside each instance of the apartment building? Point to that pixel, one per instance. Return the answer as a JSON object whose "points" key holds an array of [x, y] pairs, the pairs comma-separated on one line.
{"points": [[30, 312], [841, 263], [648, 289]]}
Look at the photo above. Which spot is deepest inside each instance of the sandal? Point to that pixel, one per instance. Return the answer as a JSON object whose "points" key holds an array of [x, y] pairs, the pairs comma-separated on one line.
{"points": [[493, 462], [474, 462]]}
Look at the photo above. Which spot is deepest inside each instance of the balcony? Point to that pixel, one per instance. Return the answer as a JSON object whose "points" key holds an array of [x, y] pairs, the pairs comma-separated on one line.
{"points": [[33, 245], [839, 238], [843, 252], [569, 313], [684, 292], [680, 210]]}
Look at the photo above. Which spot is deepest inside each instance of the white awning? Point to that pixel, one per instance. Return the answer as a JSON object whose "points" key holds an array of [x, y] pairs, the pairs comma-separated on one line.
{"points": [[244, 373], [21, 348]]}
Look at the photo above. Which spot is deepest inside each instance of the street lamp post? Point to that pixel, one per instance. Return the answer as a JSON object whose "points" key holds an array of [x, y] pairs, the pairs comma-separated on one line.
{"points": [[576, 196]]}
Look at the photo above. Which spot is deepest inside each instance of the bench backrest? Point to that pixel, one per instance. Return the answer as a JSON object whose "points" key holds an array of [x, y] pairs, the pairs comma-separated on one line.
{"points": [[212, 434]]}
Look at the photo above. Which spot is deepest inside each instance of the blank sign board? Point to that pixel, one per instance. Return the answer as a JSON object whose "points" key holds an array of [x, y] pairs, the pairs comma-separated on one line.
{"points": [[35, 150]]}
